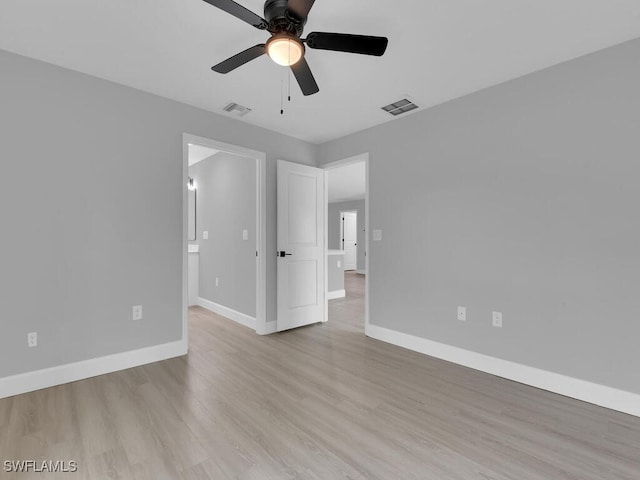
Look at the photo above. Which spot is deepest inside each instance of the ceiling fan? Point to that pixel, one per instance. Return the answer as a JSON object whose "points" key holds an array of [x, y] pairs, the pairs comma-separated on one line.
{"points": [[285, 20]]}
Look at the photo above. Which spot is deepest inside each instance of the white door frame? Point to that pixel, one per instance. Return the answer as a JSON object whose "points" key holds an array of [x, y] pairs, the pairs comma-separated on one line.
{"points": [[363, 157], [261, 227]]}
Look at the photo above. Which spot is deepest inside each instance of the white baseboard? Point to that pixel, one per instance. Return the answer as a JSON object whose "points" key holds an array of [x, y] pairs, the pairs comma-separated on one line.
{"points": [[71, 372], [361, 272], [594, 393], [336, 294], [229, 313]]}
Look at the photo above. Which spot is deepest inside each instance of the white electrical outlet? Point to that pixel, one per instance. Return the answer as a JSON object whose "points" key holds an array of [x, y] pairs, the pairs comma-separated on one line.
{"points": [[377, 235], [32, 339], [462, 314], [137, 312], [497, 319], [245, 234], [217, 282], [205, 235]]}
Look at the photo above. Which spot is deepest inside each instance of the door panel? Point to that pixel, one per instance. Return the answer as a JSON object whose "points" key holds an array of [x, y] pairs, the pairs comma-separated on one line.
{"points": [[302, 205], [302, 293], [350, 238], [300, 245]]}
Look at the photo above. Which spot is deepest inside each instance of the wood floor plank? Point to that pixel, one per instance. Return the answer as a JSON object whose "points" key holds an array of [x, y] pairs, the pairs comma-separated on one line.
{"points": [[315, 403]]}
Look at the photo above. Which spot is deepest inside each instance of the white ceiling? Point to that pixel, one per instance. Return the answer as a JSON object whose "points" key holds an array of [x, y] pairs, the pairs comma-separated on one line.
{"points": [[197, 153], [347, 182], [438, 50]]}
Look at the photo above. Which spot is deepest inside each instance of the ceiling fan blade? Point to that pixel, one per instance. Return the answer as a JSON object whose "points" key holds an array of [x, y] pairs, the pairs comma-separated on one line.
{"points": [[305, 79], [300, 8], [344, 42], [240, 12], [240, 59]]}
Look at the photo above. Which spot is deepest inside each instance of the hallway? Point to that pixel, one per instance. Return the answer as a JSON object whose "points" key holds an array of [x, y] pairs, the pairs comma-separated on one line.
{"points": [[349, 310]]}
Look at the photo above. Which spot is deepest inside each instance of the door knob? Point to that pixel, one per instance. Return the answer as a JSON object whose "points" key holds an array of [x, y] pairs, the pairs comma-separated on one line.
{"points": [[282, 253]]}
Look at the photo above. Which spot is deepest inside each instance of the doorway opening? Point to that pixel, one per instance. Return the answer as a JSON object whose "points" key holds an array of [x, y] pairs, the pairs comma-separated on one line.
{"points": [[347, 224], [224, 261]]}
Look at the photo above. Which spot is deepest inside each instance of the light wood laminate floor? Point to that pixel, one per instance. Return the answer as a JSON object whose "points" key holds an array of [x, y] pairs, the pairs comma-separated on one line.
{"points": [[322, 402]]}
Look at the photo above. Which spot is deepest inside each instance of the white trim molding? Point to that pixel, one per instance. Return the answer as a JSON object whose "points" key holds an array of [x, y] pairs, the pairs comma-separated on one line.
{"points": [[272, 327], [71, 372], [361, 272], [336, 294], [238, 317], [608, 397]]}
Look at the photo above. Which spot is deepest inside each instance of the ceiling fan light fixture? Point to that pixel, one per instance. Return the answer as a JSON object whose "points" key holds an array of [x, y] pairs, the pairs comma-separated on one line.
{"points": [[285, 50]]}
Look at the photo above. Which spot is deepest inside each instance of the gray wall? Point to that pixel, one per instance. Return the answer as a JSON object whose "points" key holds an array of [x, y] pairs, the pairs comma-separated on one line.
{"points": [[91, 193], [335, 274], [226, 205], [522, 198], [333, 227]]}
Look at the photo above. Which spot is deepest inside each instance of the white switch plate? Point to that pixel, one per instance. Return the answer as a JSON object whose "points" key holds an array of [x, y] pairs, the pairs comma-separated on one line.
{"points": [[245, 234], [205, 235], [377, 235], [339, 264], [32, 339], [217, 281], [497, 319], [137, 312], [462, 314]]}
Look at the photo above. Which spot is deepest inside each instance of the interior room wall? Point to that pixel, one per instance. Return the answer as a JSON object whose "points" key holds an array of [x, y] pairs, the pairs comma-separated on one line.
{"points": [[226, 205], [522, 198], [333, 225], [91, 200]]}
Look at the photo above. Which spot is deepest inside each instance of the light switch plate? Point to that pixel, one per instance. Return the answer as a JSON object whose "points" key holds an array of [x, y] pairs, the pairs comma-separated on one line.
{"points": [[377, 235], [205, 235], [245, 234], [339, 264], [462, 314]]}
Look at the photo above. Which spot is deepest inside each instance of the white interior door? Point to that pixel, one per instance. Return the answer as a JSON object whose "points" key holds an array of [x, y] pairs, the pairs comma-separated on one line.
{"points": [[350, 240], [301, 249]]}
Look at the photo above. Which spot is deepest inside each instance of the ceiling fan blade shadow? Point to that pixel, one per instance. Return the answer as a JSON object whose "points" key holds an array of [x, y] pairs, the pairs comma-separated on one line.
{"points": [[305, 79], [345, 42], [240, 59], [240, 12]]}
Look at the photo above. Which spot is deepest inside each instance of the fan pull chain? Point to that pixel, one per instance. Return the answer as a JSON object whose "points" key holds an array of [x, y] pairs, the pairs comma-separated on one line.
{"points": [[290, 73]]}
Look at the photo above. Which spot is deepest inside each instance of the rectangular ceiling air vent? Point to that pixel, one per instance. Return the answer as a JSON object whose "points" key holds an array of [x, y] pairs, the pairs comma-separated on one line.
{"points": [[237, 109], [401, 106]]}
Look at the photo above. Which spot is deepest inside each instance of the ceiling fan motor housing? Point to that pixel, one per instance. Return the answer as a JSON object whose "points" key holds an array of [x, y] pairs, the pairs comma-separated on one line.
{"points": [[281, 20]]}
